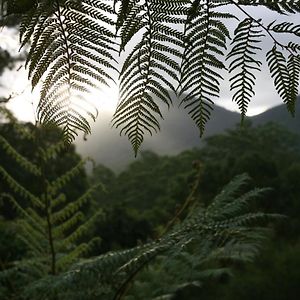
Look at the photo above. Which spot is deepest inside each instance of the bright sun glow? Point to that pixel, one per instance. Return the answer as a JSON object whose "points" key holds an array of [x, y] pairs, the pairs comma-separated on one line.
{"points": [[106, 99], [23, 101]]}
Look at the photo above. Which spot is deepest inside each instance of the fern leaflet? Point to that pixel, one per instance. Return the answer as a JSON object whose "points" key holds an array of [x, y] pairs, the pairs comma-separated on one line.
{"points": [[286, 76], [206, 37], [246, 38]]}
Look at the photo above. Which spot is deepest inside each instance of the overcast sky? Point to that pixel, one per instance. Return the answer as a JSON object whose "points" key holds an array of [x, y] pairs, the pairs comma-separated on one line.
{"points": [[23, 103]]}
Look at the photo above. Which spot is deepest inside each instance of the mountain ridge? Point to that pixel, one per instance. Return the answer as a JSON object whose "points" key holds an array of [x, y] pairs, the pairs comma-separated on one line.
{"points": [[178, 133]]}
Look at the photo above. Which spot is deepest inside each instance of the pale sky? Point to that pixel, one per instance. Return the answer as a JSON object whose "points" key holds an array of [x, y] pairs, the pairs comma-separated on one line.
{"points": [[23, 102]]}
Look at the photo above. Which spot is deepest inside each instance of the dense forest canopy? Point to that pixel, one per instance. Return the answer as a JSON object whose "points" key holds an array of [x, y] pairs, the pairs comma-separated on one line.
{"points": [[131, 215]]}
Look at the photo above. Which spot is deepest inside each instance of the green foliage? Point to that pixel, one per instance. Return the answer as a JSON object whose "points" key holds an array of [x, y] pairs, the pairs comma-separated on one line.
{"points": [[51, 227], [166, 47], [208, 241], [223, 231], [275, 276]]}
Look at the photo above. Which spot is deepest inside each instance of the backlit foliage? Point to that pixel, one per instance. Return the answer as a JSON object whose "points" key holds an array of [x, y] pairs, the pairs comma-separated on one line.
{"points": [[49, 225], [167, 49]]}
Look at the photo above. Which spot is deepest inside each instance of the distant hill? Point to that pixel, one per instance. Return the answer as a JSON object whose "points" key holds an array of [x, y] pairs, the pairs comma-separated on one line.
{"points": [[279, 114], [178, 133]]}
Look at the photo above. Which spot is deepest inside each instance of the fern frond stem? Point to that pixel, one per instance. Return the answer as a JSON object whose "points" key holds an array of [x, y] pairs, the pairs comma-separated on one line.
{"points": [[122, 291], [177, 91], [147, 71], [48, 219], [69, 58], [50, 237], [263, 27], [124, 288], [59, 16], [188, 201]]}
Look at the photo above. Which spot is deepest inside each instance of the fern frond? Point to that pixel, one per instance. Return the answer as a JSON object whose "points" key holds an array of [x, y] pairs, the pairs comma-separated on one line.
{"points": [[247, 37], [206, 37], [52, 151], [65, 178], [228, 193], [71, 48], [150, 68], [293, 66], [286, 76], [233, 235], [24, 213], [58, 231], [286, 27], [63, 214], [80, 230], [294, 47], [34, 239], [18, 158], [20, 189], [79, 251], [279, 6]]}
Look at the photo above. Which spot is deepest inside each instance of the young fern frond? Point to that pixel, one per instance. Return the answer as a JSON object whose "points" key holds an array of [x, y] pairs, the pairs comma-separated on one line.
{"points": [[150, 68], [71, 49], [64, 179], [247, 37], [206, 36], [19, 189]]}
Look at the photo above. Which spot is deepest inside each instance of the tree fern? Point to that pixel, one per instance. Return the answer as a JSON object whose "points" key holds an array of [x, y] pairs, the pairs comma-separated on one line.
{"points": [[211, 233]]}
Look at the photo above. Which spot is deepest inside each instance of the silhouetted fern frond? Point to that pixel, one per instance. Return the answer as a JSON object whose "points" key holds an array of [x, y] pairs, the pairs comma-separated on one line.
{"points": [[286, 76], [149, 69], [165, 44], [71, 49], [294, 47], [280, 6], [247, 37], [286, 27], [206, 37]]}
